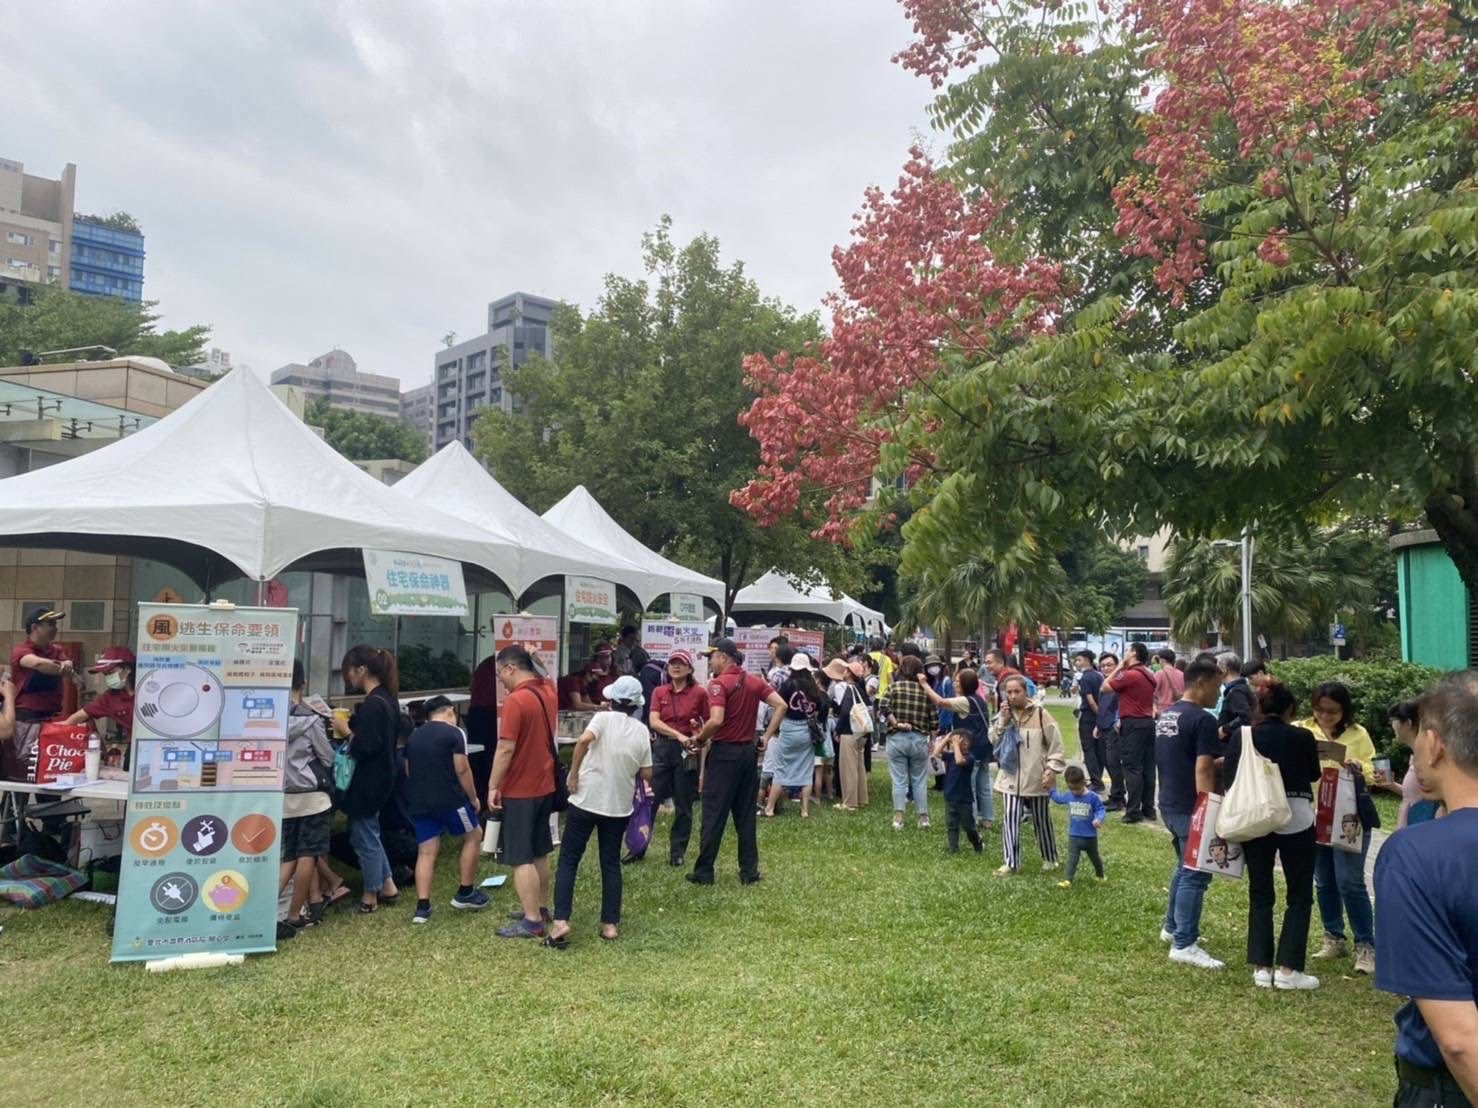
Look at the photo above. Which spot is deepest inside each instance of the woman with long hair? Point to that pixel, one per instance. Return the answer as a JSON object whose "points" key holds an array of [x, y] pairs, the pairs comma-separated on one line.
{"points": [[806, 708], [1292, 750], [372, 731], [1339, 875]]}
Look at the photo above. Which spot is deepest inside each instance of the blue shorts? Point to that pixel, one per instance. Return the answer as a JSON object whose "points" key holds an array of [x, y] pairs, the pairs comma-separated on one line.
{"points": [[458, 822]]}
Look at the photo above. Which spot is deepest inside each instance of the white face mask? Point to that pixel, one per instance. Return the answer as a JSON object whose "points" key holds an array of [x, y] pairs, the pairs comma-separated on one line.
{"points": [[115, 679]]}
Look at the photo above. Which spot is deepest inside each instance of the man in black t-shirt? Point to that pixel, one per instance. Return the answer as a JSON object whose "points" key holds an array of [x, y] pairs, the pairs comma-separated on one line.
{"points": [[1187, 745], [442, 798]]}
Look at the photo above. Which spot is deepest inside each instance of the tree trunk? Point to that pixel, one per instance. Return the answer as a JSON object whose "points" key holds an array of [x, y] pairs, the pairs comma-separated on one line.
{"points": [[1453, 514]]}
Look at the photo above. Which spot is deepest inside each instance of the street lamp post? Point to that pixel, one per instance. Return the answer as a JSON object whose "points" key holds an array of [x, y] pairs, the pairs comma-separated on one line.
{"points": [[1247, 593]]}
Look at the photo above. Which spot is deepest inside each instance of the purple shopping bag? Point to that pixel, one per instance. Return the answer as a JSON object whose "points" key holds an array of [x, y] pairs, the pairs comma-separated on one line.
{"points": [[639, 830]]}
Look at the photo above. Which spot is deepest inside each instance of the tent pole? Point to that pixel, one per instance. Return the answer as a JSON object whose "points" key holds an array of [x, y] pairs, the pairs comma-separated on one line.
{"points": [[261, 591]]}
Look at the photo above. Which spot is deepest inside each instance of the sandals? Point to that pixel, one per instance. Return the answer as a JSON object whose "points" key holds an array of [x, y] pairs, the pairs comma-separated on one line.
{"points": [[553, 943], [608, 938], [366, 908]]}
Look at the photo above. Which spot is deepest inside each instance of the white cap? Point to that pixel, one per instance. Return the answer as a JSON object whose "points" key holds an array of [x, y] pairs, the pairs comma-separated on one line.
{"points": [[627, 689]]}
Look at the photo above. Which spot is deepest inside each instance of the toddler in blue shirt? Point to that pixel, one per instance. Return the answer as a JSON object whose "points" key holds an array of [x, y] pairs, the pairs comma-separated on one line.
{"points": [[1085, 817], [959, 793]]}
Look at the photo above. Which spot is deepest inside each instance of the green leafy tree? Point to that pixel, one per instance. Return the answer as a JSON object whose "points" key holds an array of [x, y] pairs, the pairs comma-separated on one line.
{"points": [[118, 221], [360, 436], [640, 405], [1106, 581], [57, 319]]}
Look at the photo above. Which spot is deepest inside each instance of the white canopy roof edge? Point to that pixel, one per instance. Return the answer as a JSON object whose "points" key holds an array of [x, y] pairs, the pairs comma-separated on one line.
{"points": [[234, 473], [453, 481], [580, 514], [774, 592]]}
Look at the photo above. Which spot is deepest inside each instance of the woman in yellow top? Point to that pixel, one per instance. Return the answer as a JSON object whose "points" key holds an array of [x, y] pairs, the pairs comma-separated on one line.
{"points": [[1339, 875]]}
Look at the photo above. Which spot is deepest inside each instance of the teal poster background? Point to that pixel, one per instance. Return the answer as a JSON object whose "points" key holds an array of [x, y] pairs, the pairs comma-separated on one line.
{"points": [[201, 837]]}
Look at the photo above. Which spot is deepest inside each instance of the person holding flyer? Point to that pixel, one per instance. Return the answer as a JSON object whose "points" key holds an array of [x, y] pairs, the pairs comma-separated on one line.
{"points": [[1339, 875], [1426, 885], [1187, 745]]}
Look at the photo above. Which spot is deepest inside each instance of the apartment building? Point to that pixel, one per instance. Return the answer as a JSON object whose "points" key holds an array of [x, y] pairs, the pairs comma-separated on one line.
{"points": [[334, 377], [469, 375]]}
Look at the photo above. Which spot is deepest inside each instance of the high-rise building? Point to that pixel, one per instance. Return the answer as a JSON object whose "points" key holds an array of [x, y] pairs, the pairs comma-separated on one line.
{"points": [[335, 378], [45, 241], [416, 407], [469, 375], [213, 364], [36, 224], [107, 260]]}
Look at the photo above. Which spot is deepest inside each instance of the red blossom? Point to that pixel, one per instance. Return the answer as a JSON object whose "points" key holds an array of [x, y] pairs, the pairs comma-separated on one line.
{"points": [[1291, 79], [950, 37], [917, 279]]}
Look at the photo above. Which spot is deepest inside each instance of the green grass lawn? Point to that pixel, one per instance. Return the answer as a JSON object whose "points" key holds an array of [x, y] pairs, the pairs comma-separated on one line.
{"points": [[869, 967]]}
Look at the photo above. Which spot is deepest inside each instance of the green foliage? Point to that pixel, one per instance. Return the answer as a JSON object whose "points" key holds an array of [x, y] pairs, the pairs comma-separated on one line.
{"points": [[1374, 687], [118, 221], [1301, 582], [57, 319], [361, 436], [420, 669], [640, 405], [1106, 580]]}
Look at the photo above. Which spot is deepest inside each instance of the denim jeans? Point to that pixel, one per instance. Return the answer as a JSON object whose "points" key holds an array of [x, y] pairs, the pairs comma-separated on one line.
{"points": [[364, 837], [1187, 886], [1339, 877], [908, 763], [985, 797]]}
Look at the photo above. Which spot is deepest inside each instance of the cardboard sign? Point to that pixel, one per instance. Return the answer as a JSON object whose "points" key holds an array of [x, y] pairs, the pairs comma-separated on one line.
{"points": [[589, 600], [686, 607], [403, 584], [754, 644], [661, 639]]}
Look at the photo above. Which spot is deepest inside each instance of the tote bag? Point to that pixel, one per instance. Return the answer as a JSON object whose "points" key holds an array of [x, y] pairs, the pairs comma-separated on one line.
{"points": [[1256, 804], [1206, 849], [1336, 813]]}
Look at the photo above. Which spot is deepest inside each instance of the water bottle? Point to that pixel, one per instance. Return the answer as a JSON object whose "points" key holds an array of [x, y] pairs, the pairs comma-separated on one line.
{"points": [[92, 761], [492, 832]]}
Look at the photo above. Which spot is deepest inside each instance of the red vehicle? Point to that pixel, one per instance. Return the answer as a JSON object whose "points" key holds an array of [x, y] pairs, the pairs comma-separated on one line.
{"points": [[1041, 657]]}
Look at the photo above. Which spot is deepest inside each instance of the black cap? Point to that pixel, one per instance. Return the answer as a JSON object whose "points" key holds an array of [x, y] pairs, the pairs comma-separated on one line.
{"points": [[725, 646], [41, 614], [435, 704]]}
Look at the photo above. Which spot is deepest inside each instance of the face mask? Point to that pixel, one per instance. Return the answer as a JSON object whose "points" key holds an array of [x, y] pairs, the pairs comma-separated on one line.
{"points": [[115, 680], [933, 672]]}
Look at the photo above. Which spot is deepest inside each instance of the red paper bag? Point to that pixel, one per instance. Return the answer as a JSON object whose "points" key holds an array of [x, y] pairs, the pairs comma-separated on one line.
{"points": [[1205, 850], [1337, 816], [60, 749]]}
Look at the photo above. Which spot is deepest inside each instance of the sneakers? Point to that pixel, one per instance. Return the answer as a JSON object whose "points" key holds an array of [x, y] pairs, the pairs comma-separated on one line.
{"points": [[1333, 948], [516, 912], [1048, 867], [1294, 980], [1262, 977], [286, 930], [1193, 955], [1166, 936], [474, 901], [1364, 958], [1100, 880], [897, 823], [1064, 884], [521, 929], [923, 823], [1005, 871], [423, 915]]}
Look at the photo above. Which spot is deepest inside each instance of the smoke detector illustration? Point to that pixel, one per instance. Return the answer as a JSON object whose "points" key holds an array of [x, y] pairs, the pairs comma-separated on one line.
{"points": [[180, 703]]}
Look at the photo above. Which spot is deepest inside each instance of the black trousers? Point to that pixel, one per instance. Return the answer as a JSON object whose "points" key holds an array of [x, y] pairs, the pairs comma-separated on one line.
{"points": [[1083, 844], [958, 814], [609, 831], [1113, 763], [730, 786], [1137, 748], [672, 780], [1296, 852], [1426, 1089], [1093, 752]]}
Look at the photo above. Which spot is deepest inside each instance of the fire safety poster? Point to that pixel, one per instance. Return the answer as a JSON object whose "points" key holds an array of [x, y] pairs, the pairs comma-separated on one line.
{"points": [[201, 836]]}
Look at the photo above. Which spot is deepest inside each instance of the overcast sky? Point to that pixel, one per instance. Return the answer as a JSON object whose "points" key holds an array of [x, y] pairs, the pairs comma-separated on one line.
{"points": [[312, 173]]}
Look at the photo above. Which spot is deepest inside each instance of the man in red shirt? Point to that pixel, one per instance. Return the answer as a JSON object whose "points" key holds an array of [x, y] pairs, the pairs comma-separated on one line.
{"points": [[679, 711], [1135, 685], [38, 667], [731, 778], [1169, 681], [522, 786]]}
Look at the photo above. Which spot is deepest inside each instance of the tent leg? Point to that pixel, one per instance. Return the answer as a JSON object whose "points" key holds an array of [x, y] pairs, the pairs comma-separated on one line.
{"points": [[261, 591]]}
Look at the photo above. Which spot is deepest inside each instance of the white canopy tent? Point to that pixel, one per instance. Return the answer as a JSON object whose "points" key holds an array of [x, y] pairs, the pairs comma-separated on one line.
{"points": [[454, 482], [234, 484], [775, 595], [580, 514]]}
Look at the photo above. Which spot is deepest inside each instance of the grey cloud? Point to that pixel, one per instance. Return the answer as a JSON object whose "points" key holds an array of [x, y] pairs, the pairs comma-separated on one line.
{"points": [[371, 174]]}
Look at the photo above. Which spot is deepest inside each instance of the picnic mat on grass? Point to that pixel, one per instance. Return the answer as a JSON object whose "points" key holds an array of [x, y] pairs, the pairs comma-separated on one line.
{"points": [[32, 882]]}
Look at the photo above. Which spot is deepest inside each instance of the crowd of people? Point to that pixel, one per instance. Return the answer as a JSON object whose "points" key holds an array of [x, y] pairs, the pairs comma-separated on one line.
{"points": [[1157, 734]]}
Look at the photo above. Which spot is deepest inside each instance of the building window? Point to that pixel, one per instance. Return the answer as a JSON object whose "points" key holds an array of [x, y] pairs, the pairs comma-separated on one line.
{"points": [[18, 238], [53, 273], [54, 246], [1144, 552]]}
